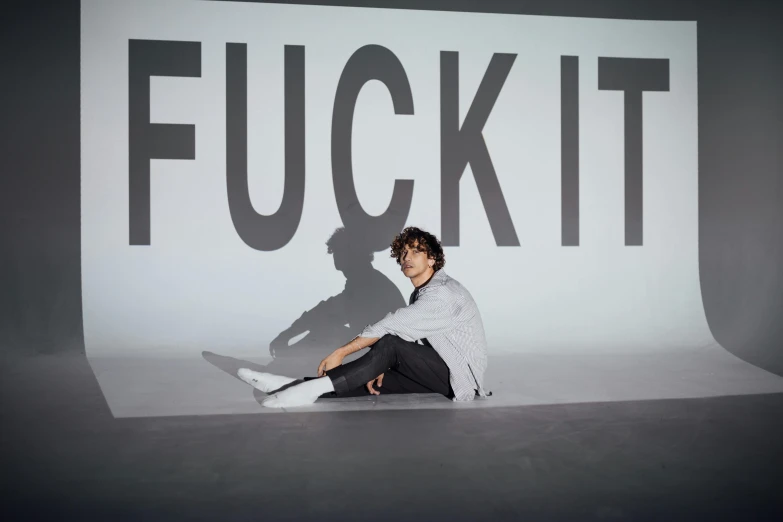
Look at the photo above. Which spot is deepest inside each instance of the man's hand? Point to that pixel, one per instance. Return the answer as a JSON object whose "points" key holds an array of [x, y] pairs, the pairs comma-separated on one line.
{"points": [[379, 381], [334, 360]]}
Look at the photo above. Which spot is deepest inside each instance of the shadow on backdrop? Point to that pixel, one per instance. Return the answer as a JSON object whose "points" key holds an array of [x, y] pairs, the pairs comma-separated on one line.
{"points": [[367, 297], [231, 366]]}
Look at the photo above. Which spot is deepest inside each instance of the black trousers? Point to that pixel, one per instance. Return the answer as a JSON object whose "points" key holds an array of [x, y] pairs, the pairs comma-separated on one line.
{"points": [[407, 367]]}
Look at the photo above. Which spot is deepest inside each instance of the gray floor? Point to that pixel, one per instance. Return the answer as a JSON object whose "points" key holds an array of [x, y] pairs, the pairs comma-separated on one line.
{"points": [[206, 384], [66, 457]]}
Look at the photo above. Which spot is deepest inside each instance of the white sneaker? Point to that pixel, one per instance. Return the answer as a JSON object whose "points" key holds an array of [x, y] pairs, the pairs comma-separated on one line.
{"points": [[266, 382]]}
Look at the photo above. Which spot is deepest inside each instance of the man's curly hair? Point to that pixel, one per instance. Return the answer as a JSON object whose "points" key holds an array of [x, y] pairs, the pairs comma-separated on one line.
{"points": [[426, 243]]}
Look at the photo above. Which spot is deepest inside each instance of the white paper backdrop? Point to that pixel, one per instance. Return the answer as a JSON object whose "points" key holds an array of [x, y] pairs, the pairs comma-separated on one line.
{"points": [[198, 286]]}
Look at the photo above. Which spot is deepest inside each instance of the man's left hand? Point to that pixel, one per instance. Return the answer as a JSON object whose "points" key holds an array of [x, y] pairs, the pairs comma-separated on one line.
{"points": [[334, 360]]}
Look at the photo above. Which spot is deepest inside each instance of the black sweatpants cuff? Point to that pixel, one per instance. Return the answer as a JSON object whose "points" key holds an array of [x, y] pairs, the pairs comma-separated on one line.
{"points": [[339, 382]]}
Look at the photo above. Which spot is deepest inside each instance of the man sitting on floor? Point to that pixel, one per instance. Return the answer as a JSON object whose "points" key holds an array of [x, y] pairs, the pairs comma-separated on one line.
{"points": [[436, 344]]}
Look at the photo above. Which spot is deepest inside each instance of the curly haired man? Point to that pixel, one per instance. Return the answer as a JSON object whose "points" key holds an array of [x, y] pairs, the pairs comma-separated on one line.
{"points": [[436, 344]]}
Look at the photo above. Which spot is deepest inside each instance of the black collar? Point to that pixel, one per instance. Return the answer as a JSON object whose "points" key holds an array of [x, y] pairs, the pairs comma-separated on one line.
{"points": [[415, 294]]}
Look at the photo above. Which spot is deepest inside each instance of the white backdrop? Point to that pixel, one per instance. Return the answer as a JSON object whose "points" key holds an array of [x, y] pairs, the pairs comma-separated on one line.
{"points": [[198, 286]]}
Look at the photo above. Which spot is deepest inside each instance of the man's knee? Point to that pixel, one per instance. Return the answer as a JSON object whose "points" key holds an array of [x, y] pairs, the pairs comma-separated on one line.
{"points": [[385, 342], [386, 345]]}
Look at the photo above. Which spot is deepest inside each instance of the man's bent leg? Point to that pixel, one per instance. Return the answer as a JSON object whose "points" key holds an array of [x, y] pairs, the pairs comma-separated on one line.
{"points": [[393, 383], [407, 367], [380, 357], [411, 368]]}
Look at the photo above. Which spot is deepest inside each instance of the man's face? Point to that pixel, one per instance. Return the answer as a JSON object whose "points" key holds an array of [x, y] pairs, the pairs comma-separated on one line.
{"points": [[413, 262]]}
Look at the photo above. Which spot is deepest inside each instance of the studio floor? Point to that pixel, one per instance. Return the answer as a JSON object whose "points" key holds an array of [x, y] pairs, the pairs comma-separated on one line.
{"points": [[161, 384], [66, 457]]}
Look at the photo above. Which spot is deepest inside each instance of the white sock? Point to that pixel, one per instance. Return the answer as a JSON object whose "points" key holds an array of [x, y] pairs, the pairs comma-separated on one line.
{"points": [[300, 395], [266, 382]]}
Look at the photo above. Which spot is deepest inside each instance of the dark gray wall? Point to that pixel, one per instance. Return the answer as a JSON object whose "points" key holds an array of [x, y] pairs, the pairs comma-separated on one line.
{"points": [[740, 46], [40, 287], [741, 178]]}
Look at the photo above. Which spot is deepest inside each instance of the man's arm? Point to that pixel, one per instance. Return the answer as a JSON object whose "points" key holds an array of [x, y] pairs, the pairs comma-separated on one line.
{"points": [[335, 359], [429, 315], [359, 343]]}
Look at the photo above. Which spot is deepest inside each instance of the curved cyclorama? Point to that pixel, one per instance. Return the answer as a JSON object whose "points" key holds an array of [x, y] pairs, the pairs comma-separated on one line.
{"points": [[223, 144]]}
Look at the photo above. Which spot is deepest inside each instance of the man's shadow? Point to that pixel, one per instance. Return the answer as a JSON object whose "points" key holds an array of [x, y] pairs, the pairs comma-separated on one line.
{"points": [[367, 297]]}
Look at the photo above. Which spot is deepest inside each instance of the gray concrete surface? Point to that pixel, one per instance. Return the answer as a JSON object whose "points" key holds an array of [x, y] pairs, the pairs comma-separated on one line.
{"points": [[207, 385], [66, 457]]}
